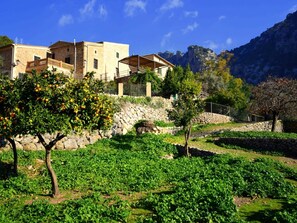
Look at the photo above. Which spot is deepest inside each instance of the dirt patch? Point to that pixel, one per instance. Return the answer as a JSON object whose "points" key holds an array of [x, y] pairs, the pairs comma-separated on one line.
{"points": [[69, 195], [239, 201]]}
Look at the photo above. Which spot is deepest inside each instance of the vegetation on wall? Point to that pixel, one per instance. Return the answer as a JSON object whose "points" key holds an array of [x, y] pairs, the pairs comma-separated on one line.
{"points": [[147, 76]]}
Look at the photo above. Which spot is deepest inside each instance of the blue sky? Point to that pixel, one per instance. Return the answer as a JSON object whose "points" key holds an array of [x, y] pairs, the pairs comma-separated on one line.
{"points": [[149, 26]]}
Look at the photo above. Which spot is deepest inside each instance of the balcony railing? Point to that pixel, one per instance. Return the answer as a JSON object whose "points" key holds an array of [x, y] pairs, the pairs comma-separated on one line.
{"points": [[43, 64]]}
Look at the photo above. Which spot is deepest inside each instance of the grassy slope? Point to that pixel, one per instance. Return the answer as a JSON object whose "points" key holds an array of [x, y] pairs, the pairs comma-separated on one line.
{"points": [[253, 210]]}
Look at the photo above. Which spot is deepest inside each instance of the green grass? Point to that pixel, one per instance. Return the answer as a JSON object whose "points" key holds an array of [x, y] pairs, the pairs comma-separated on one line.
{"points": [[252, 134], [125, 179]]}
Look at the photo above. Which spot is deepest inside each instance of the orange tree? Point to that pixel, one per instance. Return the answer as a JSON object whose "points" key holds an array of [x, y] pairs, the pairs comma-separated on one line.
{"points": [[53, 103], [9, 113]]}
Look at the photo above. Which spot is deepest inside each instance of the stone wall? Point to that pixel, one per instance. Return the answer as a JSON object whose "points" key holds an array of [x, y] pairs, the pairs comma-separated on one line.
{"points": [[207, 118], [131, 113], [123, 122], [287, 147], [260, 126]]}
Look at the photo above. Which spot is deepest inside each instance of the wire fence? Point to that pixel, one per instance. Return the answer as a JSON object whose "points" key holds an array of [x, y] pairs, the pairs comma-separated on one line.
{"points": [[229, 111], [219, 109]]}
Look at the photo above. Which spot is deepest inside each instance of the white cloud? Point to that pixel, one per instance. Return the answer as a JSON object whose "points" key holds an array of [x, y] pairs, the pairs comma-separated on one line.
{"points": [[102, 11], [88, 9], [222, 17], [293, 8], [171, 4], [192, 14], [66, 20], [166, 39], [229, 41], [211, 45], [132, 5], [190, 28]]}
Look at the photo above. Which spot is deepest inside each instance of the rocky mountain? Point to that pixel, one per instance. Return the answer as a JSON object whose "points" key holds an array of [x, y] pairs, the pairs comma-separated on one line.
{"points": [[195, 57], [273, 53]]}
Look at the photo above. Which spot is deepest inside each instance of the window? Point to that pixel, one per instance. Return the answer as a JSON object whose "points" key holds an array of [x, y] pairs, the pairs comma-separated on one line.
{"points": [[117, 55], [117, 72], [37, 58], [67, 60], [95, 64], [160, 70], [50, 55]]}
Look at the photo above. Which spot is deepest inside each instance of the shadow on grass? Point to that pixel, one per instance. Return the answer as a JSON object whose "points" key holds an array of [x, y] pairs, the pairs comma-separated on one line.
{"points": [[7, 170]]}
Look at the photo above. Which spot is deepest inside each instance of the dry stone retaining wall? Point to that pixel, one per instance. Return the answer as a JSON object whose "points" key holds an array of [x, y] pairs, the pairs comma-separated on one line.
{"points": [[288, 147], [207, 117], [260, 126], [123, 122]]}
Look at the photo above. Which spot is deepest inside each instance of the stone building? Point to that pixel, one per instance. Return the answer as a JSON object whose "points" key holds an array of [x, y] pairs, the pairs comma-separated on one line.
{"points": [[108, 61], [100, 57], [74, 59], [15, 58]]}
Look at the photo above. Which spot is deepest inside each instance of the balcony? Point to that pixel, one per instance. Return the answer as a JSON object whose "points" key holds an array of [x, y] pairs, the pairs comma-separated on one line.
{"points": [[48, 63]]}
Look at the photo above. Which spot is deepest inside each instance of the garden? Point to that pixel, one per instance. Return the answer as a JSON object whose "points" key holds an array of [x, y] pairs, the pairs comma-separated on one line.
{"points": [[128, 179]]}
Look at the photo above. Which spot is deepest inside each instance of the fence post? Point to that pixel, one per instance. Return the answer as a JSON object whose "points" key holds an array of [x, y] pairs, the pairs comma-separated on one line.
{"points": [[148, 89], [210, 107], [120, 89]]}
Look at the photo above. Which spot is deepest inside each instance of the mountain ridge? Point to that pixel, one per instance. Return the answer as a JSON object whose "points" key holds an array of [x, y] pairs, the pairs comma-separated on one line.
{"points": [[272, 53]]}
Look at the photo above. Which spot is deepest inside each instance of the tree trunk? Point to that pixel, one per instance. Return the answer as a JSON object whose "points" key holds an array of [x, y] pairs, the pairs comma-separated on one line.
{"points": [[274, 121], [48, 147], [15, 155], [54, 180], [187, 137]]}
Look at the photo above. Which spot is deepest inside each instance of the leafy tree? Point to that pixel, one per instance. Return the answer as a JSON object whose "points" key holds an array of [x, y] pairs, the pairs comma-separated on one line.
{"points": [[275, 96], [9, 112], [147, 76], [172, 81], [216, 74], [53, 103], [221, 86], [187, 106], [236, 94], [4, 40]]}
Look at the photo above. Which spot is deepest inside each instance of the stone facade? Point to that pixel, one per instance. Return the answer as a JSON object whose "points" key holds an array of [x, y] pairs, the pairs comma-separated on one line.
{"points": [[105, 54], [99, 57], [16, 57]]}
